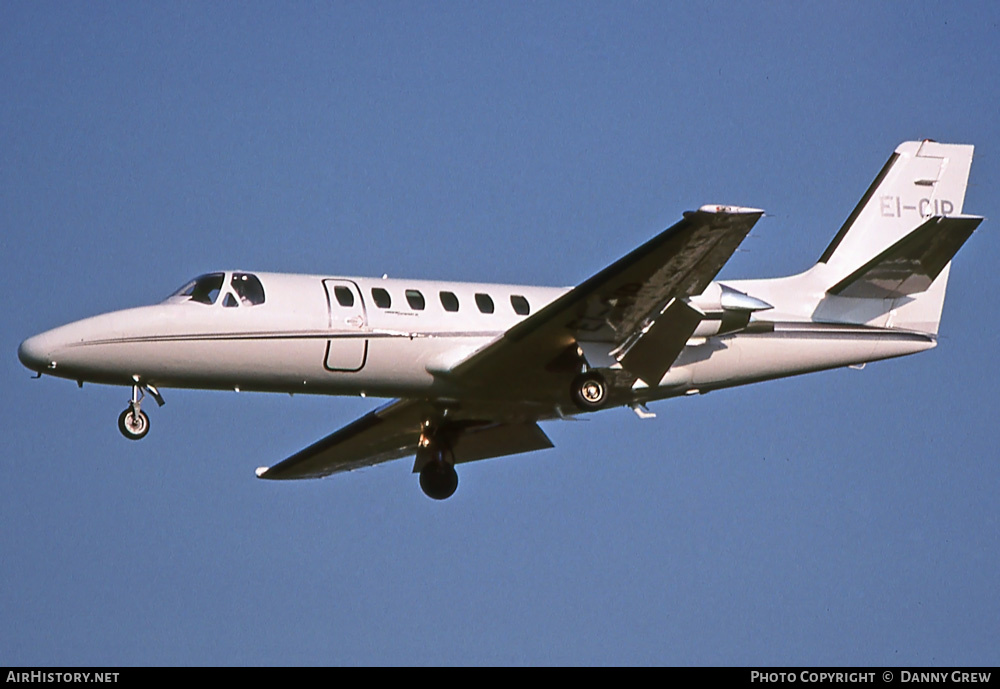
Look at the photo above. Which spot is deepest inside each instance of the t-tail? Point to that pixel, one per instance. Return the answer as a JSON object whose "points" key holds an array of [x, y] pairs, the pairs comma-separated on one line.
{"points": [[888, 265]]}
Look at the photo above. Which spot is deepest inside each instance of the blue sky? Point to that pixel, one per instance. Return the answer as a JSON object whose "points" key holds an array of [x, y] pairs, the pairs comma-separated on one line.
{"points": [[840, 518]]}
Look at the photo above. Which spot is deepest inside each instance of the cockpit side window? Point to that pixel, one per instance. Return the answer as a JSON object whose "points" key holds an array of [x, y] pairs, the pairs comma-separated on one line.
{"points": [[204, 289], [248, 288]]}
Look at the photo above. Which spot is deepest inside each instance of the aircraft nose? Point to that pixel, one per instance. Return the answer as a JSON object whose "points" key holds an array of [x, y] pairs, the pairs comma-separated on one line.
{"points": [[34, 352]]}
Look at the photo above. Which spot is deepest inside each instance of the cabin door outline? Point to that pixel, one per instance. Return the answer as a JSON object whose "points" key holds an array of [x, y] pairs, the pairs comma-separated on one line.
{"points": [[347, 351]]}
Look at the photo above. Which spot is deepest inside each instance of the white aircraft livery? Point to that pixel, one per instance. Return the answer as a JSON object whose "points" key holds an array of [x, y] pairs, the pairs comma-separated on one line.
{"points": [[475, 367]]}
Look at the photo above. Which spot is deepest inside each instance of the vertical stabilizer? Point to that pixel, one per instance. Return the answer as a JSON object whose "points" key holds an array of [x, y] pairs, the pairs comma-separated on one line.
{"points": [[888, 265], [922, 179]]}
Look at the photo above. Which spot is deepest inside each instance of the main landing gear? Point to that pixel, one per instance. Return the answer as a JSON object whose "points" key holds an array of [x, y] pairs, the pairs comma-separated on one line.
{"points": [[438, 480], [589, 391], [133, 422], [436, 464]]}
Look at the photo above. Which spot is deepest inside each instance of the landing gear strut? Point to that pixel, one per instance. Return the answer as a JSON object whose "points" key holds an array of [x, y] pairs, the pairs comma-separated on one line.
{"points": [[133, 422]]}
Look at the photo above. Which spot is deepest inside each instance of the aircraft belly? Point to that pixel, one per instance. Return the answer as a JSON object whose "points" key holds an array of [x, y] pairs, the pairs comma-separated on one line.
{"points": [[385, 366], [749, 358]]}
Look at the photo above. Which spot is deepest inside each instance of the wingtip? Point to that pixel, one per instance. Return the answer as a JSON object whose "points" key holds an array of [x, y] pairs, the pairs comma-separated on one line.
{"points": [[260, 471], [730, 210]]}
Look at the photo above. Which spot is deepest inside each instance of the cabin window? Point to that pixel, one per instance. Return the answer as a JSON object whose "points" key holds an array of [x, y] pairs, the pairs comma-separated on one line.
{"points": [[520, 304], [415, 299], [248, 289], [381, 298], [204, 289], [449, 301], [344, 295], [484, 302]]}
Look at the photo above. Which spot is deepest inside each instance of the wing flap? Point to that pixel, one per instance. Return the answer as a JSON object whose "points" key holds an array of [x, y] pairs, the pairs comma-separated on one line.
{"points": [[499, 440], [659, 346]]}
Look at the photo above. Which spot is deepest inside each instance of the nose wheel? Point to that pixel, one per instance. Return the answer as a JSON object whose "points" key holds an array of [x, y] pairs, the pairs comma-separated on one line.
{"points": [[133, 422]]}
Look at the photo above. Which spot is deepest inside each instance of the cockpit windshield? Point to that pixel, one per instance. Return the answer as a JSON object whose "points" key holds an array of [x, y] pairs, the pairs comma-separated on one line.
{"points": [[244, 289], [204, 289]]}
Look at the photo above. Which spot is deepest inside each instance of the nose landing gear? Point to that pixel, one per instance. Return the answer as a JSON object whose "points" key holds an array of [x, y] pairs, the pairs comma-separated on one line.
{"points": [[133, 422]]}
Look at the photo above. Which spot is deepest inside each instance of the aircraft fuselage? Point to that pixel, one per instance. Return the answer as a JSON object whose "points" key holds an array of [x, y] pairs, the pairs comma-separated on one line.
{"points": [[328, 336]]}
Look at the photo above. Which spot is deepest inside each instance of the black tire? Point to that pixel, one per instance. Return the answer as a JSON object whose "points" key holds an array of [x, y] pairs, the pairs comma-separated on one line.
{"points": [[133, 427], [589, 391], [438, 480]]}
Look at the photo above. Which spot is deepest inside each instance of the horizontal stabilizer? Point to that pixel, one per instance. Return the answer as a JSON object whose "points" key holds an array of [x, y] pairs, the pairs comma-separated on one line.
{"points": [[910, 265]]}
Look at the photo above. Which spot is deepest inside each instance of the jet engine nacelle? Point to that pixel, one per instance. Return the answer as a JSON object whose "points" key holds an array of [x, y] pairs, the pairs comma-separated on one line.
{"points": [[726, 310]]}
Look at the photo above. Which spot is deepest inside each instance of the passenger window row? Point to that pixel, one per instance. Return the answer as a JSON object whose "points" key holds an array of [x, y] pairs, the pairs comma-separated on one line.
{"points": [[449, 300]]}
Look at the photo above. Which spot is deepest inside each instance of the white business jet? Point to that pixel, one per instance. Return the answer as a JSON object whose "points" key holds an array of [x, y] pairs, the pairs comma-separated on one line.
{"points": [[475, 367]]}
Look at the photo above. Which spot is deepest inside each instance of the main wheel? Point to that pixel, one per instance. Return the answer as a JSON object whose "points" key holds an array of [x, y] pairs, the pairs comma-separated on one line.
{"points": [[133, 426], [438, 480], [589, 391]]}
